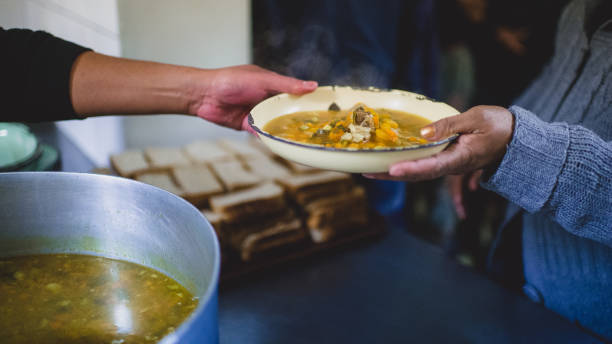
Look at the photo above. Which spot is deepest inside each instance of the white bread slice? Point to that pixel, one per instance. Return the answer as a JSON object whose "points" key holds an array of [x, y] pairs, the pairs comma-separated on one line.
{"points": [[233, 175], [165, 157], [301, 181], [241, 149], [299, 168], [129, 163], [267, 168], [257, 144], [204, 152], [197, 182], [161, 180]]}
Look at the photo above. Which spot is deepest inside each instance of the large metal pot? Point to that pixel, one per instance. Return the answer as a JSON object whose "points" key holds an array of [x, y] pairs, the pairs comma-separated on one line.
{"points": [[52, 212]]}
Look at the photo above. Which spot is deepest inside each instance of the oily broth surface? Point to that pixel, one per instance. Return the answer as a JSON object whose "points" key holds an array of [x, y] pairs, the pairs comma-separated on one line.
{"points": [[293, 127], [70, 298]]}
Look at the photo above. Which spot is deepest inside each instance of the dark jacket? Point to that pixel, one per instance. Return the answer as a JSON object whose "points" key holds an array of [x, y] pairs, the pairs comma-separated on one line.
{"points": [[35, 68]]}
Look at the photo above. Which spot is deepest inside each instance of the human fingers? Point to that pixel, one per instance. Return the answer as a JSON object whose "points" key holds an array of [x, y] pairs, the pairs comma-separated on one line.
{"points": [[474, 179], [382, 176], [455, 188], [462, 123], [454, 160], [246, 126], [276, 83]]}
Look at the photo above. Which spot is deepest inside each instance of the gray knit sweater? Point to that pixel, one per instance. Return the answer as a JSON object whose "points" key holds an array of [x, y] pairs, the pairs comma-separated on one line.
{"points": [[558, 172]]}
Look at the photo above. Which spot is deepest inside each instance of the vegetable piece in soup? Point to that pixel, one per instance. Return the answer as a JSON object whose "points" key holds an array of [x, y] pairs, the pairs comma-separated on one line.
{"points": [[360, 127], [85, 299]]}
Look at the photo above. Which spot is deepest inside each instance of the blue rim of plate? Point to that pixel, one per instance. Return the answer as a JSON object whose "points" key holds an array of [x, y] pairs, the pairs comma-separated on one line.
{"points": [[347, 150]]}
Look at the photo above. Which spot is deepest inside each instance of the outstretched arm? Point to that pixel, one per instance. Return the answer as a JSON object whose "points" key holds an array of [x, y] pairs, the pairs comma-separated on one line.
{"points": [[561, 170], [102, 85], [46, 78]]}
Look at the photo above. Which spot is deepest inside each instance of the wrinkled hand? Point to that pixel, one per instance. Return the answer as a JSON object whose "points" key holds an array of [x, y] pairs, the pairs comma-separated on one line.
{"points": [[456, 185], [230, 93], [485, 133]]}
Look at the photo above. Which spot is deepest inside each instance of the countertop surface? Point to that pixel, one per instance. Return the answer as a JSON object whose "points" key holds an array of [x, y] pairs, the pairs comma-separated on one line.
{"points": [[396, 289]]}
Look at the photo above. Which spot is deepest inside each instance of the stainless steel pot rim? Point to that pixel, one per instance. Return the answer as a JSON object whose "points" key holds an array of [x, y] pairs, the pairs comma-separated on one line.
{"points": [[212, 285]]}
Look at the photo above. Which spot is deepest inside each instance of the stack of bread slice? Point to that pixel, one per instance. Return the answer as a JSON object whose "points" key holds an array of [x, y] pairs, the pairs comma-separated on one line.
{"points": [[257, 220], [330, 201], [257, 202]]}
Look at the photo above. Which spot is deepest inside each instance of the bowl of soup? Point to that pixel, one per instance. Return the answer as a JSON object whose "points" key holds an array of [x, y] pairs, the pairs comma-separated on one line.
{"points": [[98, 259], [356, 130]]}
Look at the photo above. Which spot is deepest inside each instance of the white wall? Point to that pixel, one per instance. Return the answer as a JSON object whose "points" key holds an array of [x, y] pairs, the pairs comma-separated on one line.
{"points": [[92, 23], [201, 33]]}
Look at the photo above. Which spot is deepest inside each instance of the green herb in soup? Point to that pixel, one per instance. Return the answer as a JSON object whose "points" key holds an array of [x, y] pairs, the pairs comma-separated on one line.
{"points": [[73, 298], [361, 127]]}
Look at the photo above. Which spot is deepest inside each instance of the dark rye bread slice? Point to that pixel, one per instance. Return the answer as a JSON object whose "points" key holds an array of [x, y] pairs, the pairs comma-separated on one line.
{"points": [[345, 221], [329, 206], [198, 183], [327, 217], [235, 232], [337, 212], [308, 187], [216, 221], [258, 221], [263, 199], [280, 235], [130, 163]]}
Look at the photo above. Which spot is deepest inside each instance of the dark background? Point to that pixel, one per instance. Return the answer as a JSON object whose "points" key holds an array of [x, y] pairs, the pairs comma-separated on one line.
{"points": [[463, 52]]}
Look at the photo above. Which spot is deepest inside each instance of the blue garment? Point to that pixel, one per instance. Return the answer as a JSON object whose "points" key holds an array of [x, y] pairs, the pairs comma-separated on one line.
{"points": [[557, 172], [386, 44]]}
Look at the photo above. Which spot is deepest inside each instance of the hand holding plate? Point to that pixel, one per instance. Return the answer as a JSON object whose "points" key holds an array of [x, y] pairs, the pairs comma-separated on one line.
{"points": [[485, 131]]}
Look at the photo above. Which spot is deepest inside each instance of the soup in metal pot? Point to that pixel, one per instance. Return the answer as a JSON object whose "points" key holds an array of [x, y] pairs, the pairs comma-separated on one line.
{"points": [[70, 298]]}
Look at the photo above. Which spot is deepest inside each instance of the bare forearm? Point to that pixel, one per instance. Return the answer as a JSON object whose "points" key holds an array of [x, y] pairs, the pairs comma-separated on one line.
{"points": [[104, 85]]}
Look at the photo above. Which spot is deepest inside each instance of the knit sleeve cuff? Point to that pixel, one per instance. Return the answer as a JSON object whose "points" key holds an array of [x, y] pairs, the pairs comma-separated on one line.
{"points": [[535, 156]]}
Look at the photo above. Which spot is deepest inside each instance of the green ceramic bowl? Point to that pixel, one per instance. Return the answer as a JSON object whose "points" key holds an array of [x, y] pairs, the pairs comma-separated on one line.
{"points": [[18, 146]]}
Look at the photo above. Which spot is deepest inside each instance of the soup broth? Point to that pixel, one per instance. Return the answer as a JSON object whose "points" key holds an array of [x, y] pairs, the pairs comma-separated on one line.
{"points": [[71, 298], [360, 127]]}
